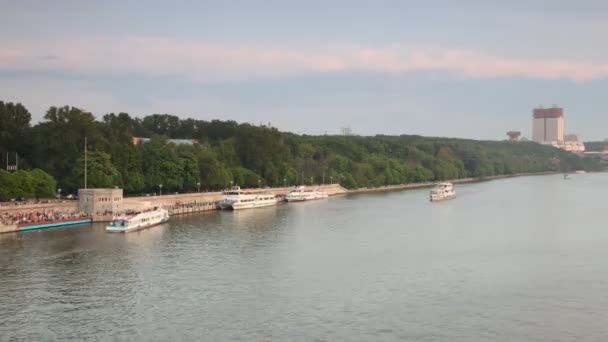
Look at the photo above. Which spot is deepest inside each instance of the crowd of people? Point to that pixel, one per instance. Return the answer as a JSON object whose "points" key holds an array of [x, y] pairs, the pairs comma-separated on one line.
{"points": [[132, 212], [15, 218], [192, 204], [29, 202], [38, 216]]}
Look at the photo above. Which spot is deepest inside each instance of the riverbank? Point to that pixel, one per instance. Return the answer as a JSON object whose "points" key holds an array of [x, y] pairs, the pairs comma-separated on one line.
{"points": [[199, 202], [216, 196], [413, 186]]}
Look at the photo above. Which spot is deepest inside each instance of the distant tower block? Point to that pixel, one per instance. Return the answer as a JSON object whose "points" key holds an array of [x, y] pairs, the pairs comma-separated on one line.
{"points": [[548, 125], [514, 135]]}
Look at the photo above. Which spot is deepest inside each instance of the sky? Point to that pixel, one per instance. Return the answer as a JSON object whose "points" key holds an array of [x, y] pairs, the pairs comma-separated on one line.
{"points": [[468, 68]]}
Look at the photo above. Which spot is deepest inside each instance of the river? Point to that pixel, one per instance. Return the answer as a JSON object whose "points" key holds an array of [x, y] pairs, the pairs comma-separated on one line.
{"points": [[519, 259]]}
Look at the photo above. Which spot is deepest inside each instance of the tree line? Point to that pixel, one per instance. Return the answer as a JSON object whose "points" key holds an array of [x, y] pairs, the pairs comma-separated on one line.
{"points": [[596, 146], [227, 152]]}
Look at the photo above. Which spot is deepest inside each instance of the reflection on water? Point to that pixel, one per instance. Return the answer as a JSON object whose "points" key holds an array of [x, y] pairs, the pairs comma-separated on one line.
{"points": [[515, 259], [257, 219]]}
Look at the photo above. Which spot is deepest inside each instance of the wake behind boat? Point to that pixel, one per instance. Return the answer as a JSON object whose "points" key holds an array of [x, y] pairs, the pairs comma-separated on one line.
{"points": [[302, 193], [135, 220], [235, 199], [443, 191]]}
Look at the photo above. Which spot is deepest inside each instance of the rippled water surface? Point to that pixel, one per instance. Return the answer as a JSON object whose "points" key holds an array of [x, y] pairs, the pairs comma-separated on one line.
{"points": [[523, 259]]}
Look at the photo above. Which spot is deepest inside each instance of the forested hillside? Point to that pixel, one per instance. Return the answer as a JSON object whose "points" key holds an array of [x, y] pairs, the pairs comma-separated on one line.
{"points": [[596, 146], [248, 155]]}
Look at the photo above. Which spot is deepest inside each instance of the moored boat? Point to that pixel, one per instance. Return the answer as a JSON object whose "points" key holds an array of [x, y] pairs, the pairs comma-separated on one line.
{"points": [[302, 193], [235, 199], [135, 220], [54, 223], [443, 191]]}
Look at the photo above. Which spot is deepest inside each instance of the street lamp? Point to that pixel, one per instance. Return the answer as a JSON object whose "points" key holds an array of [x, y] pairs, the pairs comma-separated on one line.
{"points": [[284, 182], [160, 186], [198, 186], [231, 182], [259, 183], [311, 180], [59, 191]]}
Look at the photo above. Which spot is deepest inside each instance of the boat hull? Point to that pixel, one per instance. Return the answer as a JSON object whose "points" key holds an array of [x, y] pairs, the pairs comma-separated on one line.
{"points": [[442, 198], [54, 224], [247, 205], [111, 229], [304, 199]]}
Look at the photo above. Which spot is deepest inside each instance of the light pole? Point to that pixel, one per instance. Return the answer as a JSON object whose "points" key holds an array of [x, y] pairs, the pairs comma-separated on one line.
{"points": [[284, 182], [198, 186], [160, 186], [331, 180], [231, 182], [311, 180], [59, 192], [259, 183]]}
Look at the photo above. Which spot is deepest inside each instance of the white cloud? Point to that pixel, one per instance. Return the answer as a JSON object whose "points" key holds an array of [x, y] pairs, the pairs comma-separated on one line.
{"points": [[203, 61]]}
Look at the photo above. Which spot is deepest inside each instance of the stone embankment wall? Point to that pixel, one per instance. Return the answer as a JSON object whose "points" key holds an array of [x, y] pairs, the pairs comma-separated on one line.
{"points": [[138, 203], [408, 186], [8, 229], [201, 197], [205, 201]]}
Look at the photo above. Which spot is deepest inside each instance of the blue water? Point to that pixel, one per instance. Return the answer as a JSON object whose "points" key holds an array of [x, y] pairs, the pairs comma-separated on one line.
{"points": [[522, 259]]}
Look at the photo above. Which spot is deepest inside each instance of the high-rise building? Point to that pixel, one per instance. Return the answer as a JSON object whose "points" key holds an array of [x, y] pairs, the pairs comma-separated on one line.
{"points": [[548, 125]]}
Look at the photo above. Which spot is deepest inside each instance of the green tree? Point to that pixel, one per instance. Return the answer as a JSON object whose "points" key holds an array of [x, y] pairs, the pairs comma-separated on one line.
{"points": [[44, 184], [14, 130], [59, 141], [213, 174], [101, 173]]}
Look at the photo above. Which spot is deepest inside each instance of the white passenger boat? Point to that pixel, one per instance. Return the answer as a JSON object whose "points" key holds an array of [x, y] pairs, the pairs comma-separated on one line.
{"points": [[443, 191], [135, 220], [235, 199], [302, 193]]}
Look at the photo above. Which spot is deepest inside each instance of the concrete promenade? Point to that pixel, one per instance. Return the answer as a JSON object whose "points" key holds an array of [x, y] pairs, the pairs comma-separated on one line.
{"points": [[206, 201], [212, 197]]}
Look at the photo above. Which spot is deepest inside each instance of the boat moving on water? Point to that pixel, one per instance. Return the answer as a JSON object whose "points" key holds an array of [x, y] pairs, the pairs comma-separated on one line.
{"points": [[443, 191], [235, 199], [135, 220], [302, 193]]}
